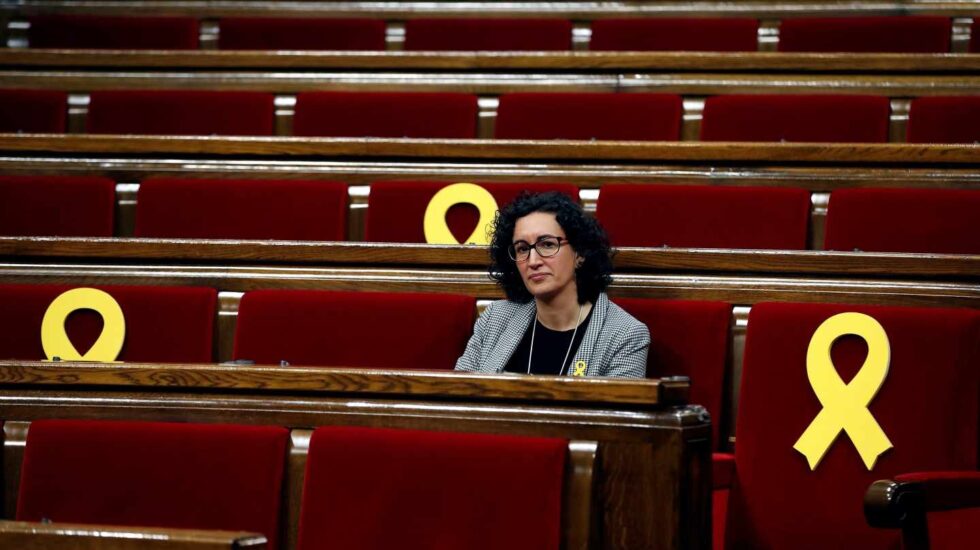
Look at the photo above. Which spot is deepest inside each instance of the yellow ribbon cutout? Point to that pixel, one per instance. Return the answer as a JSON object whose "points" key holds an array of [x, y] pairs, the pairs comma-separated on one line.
{"points": [[579, 368], [845, 406], [434, 223], [55, 340]]}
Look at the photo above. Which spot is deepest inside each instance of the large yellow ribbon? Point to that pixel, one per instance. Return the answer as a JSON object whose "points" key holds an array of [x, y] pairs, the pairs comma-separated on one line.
{"points": [[434, 223], [845, 406], [55, 340]]}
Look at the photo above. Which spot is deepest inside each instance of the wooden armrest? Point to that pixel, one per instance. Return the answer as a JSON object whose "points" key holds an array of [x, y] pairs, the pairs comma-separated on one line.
{"points": [[73, 536]]}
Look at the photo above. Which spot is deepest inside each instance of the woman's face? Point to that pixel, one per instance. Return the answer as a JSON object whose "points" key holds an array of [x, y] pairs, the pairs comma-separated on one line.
{"points": [[545, 277]]}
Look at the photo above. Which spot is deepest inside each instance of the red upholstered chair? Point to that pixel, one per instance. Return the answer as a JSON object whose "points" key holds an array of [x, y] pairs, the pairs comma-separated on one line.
{"points": [[530, 34], [730, 34], [195, 476], [927, 407], [386, 115], [905, 34], [114, 33], [66, 206], [941, 221], [163, 324], [185, 112], [242, 209], [354, 329], [704, 216], [280, 33], [370, 489], [814, 118], [944, 120], [604, 116], [33, 111], [396, 209]]}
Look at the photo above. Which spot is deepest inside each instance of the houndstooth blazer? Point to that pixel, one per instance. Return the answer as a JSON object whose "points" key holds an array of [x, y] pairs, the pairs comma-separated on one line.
{"points": [[615, 343]]}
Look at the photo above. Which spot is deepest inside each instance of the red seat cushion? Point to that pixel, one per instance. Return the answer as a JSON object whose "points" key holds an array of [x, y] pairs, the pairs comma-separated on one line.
{"points": [[354, 329], [488, 34], [396, 209], [33, 111], [813, 118], [114, 33], [279, 33], [606, 116], [730, 34], [65, 206], [704, 216], [242, 209], [906, 34], [386, 115], [187, 112], [927, 407], [904, 220], [688, 338], [163, 324], [944, 120], [199, 476], [374, 489]]}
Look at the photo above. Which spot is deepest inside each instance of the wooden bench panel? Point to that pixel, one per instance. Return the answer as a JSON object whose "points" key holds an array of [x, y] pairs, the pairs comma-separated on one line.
{"points": [[69, 536]]}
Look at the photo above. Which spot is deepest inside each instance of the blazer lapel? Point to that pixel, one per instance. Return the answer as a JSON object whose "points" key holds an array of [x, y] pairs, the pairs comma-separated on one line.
{"points": [[586, 350], [510, 338]]}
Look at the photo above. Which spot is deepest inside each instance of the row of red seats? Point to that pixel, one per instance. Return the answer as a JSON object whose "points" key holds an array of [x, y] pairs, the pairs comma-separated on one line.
{"points": [[651, 215], [581, 116], [907, 34]]}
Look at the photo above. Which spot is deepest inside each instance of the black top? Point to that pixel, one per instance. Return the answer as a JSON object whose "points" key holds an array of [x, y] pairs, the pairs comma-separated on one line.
{"points": [[550, 347]]}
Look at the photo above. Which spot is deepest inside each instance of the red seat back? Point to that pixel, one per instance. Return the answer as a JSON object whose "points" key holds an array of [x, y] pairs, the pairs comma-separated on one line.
{"points": [[280, 33], [354, 329], [729, 34], [944, 120], [926, 406], [372, 489], [65, 206], [195, 476], [242, 209], [814, 118], [386, 115], [33, 111], [905, 34], [396, 209], [904, 220], [703, 216], [115, 33], [533, 34], [185, 112], [605, 116], [163, 324]]}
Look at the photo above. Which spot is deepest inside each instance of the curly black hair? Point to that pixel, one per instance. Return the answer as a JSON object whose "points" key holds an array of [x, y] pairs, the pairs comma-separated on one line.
{"points": [[582, 231]]}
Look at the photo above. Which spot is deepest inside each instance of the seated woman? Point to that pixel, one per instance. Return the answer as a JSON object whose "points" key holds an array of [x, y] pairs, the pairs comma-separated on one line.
{"points": [[553, 262]]}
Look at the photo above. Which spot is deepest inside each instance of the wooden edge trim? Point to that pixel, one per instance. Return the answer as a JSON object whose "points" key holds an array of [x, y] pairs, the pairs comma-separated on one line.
{"points": [[580, 518], [229, 539]]}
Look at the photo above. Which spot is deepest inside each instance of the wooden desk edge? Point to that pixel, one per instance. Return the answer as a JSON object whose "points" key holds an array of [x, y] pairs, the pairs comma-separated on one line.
{"points": [[233, 539]]}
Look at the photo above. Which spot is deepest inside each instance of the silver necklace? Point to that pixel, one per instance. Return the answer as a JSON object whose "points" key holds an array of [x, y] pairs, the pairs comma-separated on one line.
{"points": [[534, 330]]}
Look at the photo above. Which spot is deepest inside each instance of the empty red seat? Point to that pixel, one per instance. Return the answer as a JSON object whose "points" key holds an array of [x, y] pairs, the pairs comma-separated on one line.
{"points": [[944, 120], [905, 34], [927, 407], [242, 209], [112, 32], [604, 116], [730, 34], [531, 34], [704, 216], [354, 329], [186, 112], [941, 221], [163, 324], [813, 118], [386, 115], [396, 209], [64, 206], [195, 476], [280, 33], [371, 489], [33, 111]]}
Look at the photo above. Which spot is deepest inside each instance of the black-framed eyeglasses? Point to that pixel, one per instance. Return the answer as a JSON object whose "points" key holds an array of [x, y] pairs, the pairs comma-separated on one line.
{"points": [[546, 246]]}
